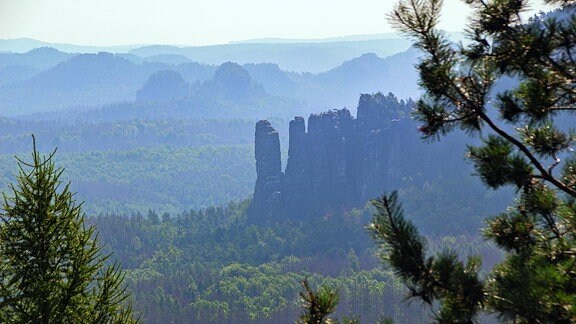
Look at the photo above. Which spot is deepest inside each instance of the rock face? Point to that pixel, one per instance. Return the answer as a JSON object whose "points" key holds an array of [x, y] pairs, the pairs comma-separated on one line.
{"points": [[267, 193], [338, 163]]}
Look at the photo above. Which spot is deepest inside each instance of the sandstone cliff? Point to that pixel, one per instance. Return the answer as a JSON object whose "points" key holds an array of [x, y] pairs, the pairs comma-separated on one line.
{"points": [[338, 162]]}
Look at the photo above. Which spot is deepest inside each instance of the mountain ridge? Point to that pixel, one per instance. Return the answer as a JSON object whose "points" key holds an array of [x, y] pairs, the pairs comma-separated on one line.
{"points": [[96, 80]]}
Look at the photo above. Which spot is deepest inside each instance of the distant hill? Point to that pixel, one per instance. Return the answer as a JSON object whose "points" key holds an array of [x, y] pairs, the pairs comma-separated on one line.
{"points": [[229, 93], [81, 80], [369, 73], [22, 45], [91, 81], [163, 86], [305, 55], [341, 86], [274, 80], [299, 57], [39, 58], [313, 73]]}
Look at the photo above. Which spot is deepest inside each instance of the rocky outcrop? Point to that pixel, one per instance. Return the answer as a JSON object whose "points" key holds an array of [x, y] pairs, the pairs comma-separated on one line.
{"points": [[267, 193], [339, 162]]}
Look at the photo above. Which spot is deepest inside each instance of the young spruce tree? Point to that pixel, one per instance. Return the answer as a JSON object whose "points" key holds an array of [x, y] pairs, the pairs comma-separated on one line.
{"points": [[527, 143], [52, 269]]}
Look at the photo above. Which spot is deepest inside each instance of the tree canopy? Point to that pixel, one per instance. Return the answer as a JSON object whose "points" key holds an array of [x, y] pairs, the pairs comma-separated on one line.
{"points": [[513, 85]]}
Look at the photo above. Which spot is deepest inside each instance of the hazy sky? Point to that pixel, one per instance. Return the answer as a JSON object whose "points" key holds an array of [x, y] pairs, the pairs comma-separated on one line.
{"points": [[195, 22]]}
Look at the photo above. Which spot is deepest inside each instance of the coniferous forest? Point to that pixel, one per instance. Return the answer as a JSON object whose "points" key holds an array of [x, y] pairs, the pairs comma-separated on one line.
{"points": [[381, 180]]}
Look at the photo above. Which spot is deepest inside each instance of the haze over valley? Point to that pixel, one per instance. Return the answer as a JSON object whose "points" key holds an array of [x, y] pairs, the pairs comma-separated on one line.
{"points": [[227, 175]]}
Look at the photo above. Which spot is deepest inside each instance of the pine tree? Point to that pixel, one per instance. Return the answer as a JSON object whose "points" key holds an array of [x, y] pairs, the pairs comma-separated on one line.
{"points": [[527, 138], [52, 269], [317, 305]]}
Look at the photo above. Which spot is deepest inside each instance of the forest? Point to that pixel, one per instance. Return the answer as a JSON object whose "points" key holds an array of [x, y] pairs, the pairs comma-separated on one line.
{"points": [[218, 180], [212, 265], [170, 190], [171, 200]]}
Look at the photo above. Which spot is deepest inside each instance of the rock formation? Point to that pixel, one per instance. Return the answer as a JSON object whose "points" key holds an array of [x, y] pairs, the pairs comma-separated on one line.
{"points": [[267, 192], [338, 163]]}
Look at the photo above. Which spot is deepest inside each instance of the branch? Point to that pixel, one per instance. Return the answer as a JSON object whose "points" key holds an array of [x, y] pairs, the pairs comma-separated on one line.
{"points": [[535, 162]]}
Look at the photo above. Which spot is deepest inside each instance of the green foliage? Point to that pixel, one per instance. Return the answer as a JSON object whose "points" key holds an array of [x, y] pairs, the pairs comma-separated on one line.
{"points": [[530, 139], [166, 179], [100, 134], [211, 266], [405, 248], [131, 166], [52, 269], [318, 304], [496, 164], [444, 277]]}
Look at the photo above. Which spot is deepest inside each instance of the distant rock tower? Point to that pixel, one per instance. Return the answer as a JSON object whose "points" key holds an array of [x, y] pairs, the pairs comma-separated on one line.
{"points": [[338, 163], [267, 192]]}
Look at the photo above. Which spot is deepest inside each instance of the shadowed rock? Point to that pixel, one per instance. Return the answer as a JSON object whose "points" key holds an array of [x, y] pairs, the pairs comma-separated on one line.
{"points": [[338, 163], [268, 169]]}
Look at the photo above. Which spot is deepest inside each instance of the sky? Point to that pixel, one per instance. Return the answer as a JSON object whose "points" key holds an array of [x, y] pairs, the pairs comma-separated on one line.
{"points": [[205, 22]]}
